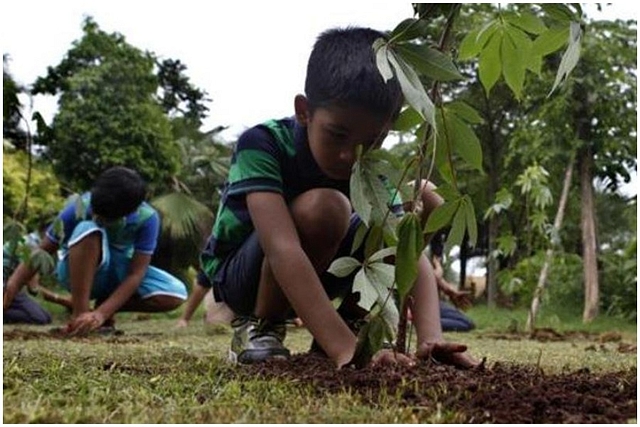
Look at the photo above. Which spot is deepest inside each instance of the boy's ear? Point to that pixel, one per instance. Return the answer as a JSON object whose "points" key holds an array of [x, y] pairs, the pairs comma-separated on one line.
{"points": [[301, 106]]}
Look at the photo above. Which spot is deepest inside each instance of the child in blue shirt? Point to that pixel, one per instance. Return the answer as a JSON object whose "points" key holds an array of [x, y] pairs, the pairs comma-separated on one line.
{"points": [[107, 237]]}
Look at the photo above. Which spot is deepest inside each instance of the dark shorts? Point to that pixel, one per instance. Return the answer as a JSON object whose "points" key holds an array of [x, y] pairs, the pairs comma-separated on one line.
{"points": [[237, 279]]}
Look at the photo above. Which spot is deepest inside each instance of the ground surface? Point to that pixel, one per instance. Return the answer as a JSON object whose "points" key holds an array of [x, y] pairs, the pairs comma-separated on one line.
{"points": [[499, 393]]}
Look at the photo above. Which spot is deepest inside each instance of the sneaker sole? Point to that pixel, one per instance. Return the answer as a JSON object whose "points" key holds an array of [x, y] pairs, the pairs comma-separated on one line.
{"points": [[249, 357]]}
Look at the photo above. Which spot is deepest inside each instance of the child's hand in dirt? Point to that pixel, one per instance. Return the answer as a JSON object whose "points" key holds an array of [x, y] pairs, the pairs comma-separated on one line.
{"points": [[85, 323], [388, 356], [447, 353], [182, 323]]}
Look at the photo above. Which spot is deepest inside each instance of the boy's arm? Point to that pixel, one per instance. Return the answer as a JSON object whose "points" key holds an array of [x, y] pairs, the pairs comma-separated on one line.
{"points": [[23, 274], [426, 317], [196, 297], [296, 276], [126, 289]]}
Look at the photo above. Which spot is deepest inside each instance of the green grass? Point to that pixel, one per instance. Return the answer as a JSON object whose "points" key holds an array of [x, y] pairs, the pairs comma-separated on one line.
{"points": [[155, 373]]}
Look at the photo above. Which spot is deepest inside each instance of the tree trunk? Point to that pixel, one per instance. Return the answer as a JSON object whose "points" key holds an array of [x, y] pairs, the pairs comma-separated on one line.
{"points": [[492, 263], [557, 223], [589, 255]]}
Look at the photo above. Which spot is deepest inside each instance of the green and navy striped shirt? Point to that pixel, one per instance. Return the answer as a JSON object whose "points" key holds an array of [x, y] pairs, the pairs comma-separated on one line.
{"points": [[274, 156]]}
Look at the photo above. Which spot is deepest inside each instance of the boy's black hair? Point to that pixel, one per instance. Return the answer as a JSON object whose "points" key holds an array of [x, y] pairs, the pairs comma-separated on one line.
{"points": [[117, 192], [342, 70]]}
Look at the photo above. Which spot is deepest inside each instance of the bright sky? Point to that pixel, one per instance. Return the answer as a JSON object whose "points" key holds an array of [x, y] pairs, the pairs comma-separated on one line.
{"points": [[249, 56]]}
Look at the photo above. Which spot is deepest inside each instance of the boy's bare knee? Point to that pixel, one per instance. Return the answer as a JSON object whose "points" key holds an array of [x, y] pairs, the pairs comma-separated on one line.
{"points": [[322, 211]]}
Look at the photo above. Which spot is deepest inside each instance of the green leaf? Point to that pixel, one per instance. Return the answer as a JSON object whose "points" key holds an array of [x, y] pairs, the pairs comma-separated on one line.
{"points": [[381, 254], [442, 215], [344, 266], [407, 120], [381, 277], [381, 51], [42, 262], [413, 89], [570, 57], [464, 111], [430, 62], [358, 239], [526, 21], [457, 230], [408, 29], [472, 224], [514, 52], [465, 142], [558, 11], [357, 193], [373, 242], [550, 41], [13, 232], [490, 66], [410, 246], [371, 339], [448, 192], [476, 40], [368, 294], [443, 148]]}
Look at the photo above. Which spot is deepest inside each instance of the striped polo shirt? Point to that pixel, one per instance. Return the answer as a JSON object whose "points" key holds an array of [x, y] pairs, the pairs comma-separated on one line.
{"points": [[274, 156]]}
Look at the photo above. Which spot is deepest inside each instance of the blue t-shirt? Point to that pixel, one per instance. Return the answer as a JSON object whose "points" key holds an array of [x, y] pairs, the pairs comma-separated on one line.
{"points": [[137, 232]]}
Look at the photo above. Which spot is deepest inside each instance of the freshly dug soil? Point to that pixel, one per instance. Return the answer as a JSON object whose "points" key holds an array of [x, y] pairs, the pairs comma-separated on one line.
{"points": [[500, 393]]}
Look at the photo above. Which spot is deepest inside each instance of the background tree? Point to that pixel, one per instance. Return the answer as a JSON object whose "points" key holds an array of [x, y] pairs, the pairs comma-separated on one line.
{"points": [[113, 110], [11, 108]]}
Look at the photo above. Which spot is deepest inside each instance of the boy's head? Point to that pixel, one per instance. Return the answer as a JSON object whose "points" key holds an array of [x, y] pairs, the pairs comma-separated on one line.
{"points": [[347, 101], [117, 192], [342, 71]]}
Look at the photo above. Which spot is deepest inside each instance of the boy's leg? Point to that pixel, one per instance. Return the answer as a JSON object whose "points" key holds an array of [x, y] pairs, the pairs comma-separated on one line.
{"points": [[247, 285], [322, 219], [25, 310], [159, 291]]}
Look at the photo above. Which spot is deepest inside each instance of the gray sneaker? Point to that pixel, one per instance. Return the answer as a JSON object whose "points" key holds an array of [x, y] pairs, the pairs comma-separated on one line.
{"points": [[256, 340]]}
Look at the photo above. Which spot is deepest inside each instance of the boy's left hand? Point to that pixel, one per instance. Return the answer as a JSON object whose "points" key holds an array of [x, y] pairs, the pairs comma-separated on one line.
{"points": [[448, 354], [85, 323]]}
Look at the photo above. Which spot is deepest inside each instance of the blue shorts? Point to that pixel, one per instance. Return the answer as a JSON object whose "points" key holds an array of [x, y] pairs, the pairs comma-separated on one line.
{"points": [[114, 267], [236, 280]]}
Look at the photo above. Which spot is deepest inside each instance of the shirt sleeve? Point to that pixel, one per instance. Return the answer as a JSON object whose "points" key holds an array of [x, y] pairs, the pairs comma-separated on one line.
{"points": [[256, 163], [147, 235]]}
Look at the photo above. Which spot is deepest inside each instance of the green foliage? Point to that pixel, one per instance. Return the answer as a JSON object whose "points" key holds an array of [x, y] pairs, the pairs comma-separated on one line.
{"points": [[565, 282], [44, 199], [116, 107], [444, 128], [184, 222], [620, 281], [11, 106]]}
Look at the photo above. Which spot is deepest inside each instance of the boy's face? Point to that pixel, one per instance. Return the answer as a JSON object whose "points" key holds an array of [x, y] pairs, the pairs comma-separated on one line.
{"points": [[335, 132]]}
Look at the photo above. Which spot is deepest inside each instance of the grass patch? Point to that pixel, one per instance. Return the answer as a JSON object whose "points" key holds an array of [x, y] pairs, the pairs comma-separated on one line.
{"points": [[155, 373]]}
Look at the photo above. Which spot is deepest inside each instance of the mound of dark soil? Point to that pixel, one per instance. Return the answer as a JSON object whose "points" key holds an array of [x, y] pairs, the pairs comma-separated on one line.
{"points": [[499, 393]]}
